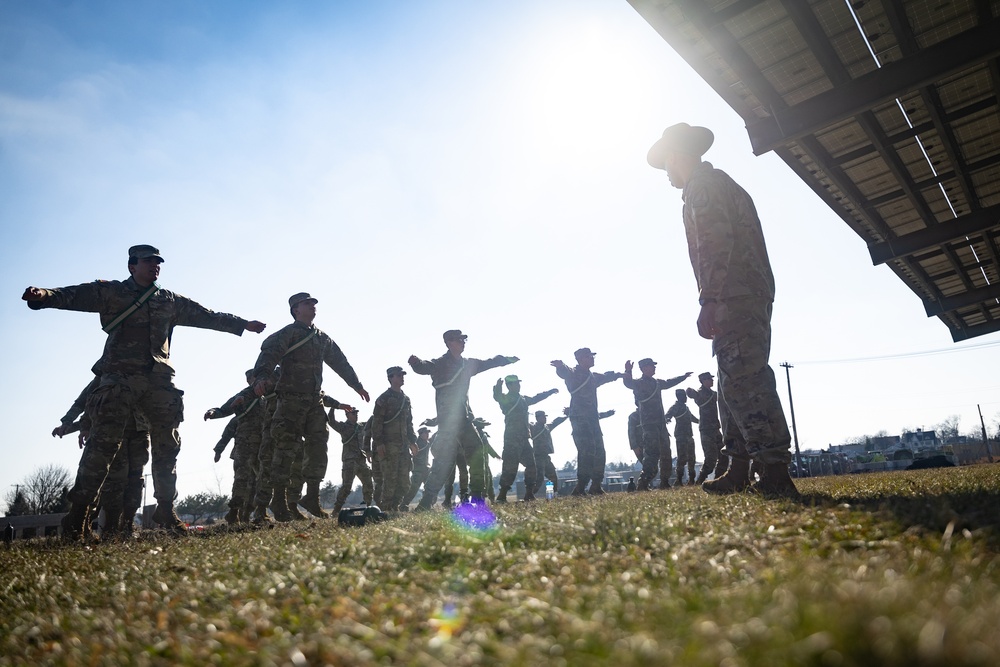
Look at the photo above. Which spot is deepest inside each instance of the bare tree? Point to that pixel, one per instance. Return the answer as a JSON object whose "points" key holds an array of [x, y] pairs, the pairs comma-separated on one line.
{"points": [[948, 428], [43, 491]]}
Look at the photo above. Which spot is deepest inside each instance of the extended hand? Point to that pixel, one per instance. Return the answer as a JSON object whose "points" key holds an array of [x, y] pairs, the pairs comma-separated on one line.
{"points": [[364, 394], [255, 326], [34, 294], [218, 455], [59, 430], [209, 413]]}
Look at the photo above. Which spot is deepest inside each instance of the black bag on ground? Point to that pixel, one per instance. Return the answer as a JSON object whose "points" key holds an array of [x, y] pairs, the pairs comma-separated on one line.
{"points": [[359, 516]]}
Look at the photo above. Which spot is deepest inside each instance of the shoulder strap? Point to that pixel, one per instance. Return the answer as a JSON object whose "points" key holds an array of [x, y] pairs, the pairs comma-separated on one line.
{"points": [[455, 377], [247, 411], [124, 315], [516, 403], [300, 343], [406, 399], [590, 376]]}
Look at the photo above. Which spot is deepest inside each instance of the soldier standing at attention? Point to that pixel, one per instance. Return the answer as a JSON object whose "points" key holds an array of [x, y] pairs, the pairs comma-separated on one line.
{"points": [[541, 440], [394, 439], [136, 373], [451, 374], [684, 435], [421, 466], [353, 457], [249, 414], [299, 418], [584, 418], [516, 434], [655, 440], [736, 293], [708, 427]]}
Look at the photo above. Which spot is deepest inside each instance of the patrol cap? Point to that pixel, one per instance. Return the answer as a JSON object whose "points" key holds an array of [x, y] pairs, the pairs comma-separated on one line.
{"points": [[296, 299], [143, 251], [583, 351], [454, 334], [511, 378], [680, 138], [540, 413], [646, 362], [705, 376], [480, 422], [351, 411], [394, 370], [423, 429]]}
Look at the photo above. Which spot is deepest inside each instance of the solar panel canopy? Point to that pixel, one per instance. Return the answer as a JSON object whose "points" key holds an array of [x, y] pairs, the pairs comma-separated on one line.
{"points": [[887, 109]]}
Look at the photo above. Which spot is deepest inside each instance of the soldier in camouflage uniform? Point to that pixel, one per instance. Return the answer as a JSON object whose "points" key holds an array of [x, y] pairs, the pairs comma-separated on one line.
{"points": [[709, 428], [121, 493], [299, 418], [353, 457], [655, 439], [516, 435], [296, 478], [249, 411], [584, 418], [451, 375], [265, 455], [394, 439], [421, 466], [136, 373], [491, 453], [736, 293], [684, 435], [541, 440]]}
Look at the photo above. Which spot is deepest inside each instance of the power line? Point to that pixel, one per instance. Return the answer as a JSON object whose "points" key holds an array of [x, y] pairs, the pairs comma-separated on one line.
{"points": [[903, 355]]}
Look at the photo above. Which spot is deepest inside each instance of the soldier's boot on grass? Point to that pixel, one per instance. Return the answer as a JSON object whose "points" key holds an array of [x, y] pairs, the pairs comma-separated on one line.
{"points": [[736, 479], [703, 475], [775, 482], [232, 516], [292, 502], [244, 513], [259, 516], [279, 505], [166, 516], [128, 522], [502, 496], [112, 522], [311, 501], [529, 495], [74, 524], [580, 489]]}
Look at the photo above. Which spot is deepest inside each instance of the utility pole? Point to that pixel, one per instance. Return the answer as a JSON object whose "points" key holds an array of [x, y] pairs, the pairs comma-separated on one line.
{"points": [[791, 408], [986, 442]]}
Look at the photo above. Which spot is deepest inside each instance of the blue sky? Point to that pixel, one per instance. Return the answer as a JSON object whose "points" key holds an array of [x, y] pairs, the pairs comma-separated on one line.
{"points": [[418, 167]]}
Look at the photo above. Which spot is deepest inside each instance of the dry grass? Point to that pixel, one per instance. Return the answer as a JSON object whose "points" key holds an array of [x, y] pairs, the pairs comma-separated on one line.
{"points": [[888, 569]]}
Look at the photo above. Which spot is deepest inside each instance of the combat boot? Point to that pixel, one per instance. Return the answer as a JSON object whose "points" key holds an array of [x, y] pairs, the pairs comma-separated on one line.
{"points": [[502, 496], [596, 489], [643, 484], [311, 501], [736, 479], [232, 516], [128, 522], [293, 506], [529, 495], [259, 516], [580, 489], [112, 522], [775, 482], [703, 475], [279, 505], [74, 524], [166, 516], [245, 510]]}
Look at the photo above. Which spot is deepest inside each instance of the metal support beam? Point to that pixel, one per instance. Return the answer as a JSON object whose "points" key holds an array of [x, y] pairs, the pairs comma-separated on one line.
{"points": [[956, 230], [867, 91], [965, 333]]}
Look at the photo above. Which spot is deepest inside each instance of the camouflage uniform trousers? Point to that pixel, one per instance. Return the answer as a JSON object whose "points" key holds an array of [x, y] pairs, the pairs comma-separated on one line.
{"points": [[517, 452], [417, 478], [355, 468], [296, 478], [299, 423], [685, 458], [111, 407], [590, 454], [378, 479], [395, 465], [711, 446], [456, 433], [461, 467], [265, 457], [545, 469], [753, 422], [656, 455], [123, 487], [246, 464]]}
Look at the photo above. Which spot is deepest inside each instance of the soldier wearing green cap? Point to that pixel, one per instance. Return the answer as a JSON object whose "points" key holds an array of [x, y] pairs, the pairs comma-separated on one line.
{"points": [[451, 374], [516, 434], [139, 318], [354, 458], [684, 435], [736, 293], [300, 421], [652, 425], [421, 466], [394, 439], [709, 428], [541, 446]]}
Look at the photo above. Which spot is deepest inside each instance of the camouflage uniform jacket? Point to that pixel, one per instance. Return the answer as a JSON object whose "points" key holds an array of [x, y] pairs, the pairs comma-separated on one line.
{"points": [[515, 410], [141, 343], [392, 419], [228, 433], [724, 237], [708, 408], [80, 404], [541, 435], [582, 385], [648, 398], [451, 376], [302, 368], [683, 419], [248, 408], [423, 455], [352, 436]]}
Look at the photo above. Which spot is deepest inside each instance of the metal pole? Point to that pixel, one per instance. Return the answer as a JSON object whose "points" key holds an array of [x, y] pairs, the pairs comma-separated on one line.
{"points": [[986, 442], [791, 408]]}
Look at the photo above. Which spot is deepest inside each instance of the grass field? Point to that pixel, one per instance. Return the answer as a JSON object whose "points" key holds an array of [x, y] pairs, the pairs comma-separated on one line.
{"points": [[883, 569]]}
